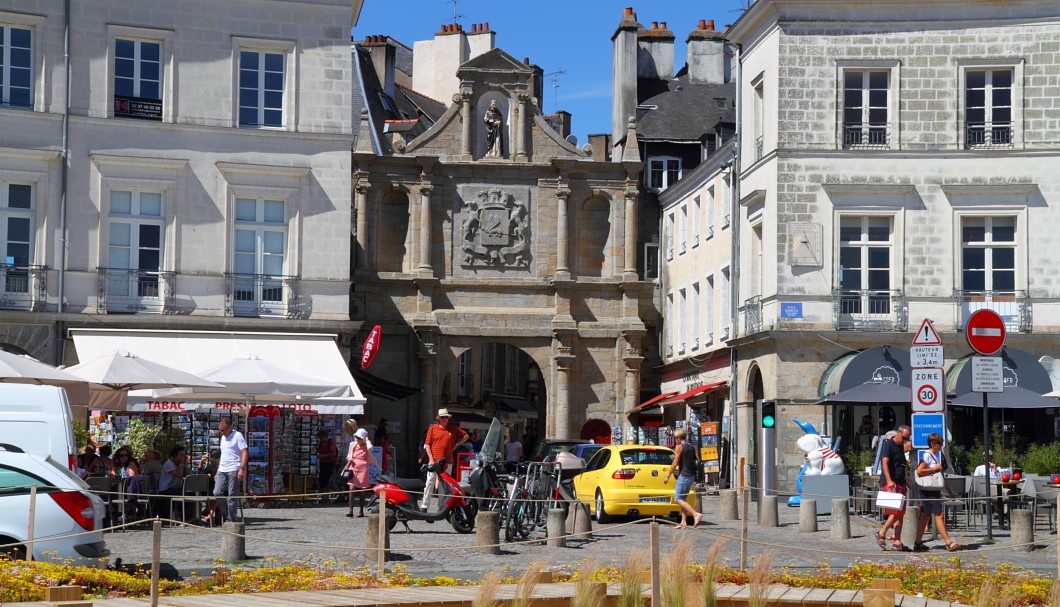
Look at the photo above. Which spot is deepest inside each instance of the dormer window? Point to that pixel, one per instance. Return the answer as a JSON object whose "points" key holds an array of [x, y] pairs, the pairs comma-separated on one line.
{"points": [[663, 172]]}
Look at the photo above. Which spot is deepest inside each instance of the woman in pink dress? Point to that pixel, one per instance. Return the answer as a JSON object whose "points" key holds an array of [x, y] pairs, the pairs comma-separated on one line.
{"points": [[358, 459]]}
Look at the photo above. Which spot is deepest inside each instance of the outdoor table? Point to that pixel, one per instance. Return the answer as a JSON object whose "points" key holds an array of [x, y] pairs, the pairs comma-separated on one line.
{"points": [[1002, 515]]}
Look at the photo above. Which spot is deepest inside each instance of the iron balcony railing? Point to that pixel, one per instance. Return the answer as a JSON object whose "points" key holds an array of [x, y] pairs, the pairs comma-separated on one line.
{"points": [[759, 148], [125, 291], [23, 287], [869, 310], [864, 136], [752, 315], [1014, 307], [988, 135], [263, 295]]}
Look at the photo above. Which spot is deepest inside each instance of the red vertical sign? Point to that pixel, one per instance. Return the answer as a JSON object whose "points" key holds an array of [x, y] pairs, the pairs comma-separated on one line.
{"points": [[371, 346]]}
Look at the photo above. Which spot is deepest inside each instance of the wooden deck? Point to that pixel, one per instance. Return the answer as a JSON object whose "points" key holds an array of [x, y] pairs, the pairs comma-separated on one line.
{"points": [[545, 595]]}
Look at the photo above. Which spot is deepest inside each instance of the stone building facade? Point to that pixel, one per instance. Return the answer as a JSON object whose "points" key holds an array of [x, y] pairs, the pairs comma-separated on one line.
{"points": [[891, 169], [535, 249]]}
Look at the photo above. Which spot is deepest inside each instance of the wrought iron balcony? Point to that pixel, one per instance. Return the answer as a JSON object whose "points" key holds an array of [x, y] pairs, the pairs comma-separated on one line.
{"points": [[23, 287], [752, 315], [759, 148], [866, 136], [869, 310], [263, 295], [979, 135], [125, 291], [1014, 307]]}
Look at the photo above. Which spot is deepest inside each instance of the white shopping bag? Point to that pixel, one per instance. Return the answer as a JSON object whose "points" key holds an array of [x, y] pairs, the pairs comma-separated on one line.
{"points": [[886, 499]]}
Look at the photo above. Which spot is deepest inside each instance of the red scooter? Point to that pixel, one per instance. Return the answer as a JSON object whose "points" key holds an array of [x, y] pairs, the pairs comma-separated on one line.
{"points": [[448, 501]]}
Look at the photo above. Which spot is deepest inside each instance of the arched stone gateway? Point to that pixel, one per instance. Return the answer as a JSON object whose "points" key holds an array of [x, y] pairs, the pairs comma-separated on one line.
{"points": [[598, 431]]}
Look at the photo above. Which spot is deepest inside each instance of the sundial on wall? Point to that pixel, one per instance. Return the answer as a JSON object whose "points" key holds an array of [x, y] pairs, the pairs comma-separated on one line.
{"points": [[806, 245]]}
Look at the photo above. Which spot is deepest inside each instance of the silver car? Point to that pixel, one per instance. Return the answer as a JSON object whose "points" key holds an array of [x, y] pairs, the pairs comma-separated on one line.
{"points": [[68, 517]]}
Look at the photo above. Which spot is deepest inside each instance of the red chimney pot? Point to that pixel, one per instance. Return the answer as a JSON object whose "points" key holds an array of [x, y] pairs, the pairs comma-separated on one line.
{"points": [[662, 25], [487, 24], [628, 12], [655, 25], [710, 24]]}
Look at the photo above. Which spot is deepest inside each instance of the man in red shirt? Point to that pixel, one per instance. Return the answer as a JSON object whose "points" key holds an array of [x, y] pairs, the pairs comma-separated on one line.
{"points": [[440, 442]]}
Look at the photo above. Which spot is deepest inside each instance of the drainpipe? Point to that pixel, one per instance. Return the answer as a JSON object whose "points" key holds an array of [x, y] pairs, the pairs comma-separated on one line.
{"points": [[65, 157], [734, 267]]}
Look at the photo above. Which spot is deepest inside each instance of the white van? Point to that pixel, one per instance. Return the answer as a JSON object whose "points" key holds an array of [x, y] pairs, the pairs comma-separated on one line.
{"points": [[37, 419]]}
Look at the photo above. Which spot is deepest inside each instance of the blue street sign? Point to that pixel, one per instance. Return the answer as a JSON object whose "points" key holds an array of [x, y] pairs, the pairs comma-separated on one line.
{"points": [[790, 309], [927, 423]]}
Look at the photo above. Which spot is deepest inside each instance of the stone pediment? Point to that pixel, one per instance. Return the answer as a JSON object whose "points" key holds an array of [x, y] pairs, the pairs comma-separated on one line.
{"points": [[494, 60]]}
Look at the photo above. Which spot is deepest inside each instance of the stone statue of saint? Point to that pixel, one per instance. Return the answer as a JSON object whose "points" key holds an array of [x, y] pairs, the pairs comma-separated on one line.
{"points": [[494, 122]]}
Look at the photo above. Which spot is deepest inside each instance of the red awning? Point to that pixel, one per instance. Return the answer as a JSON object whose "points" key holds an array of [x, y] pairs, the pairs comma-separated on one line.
{"points": [[652, 401], [680, 398]]}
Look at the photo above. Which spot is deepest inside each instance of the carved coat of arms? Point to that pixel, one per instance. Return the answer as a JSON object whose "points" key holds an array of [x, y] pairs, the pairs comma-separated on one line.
{"points": [[496, 230]]}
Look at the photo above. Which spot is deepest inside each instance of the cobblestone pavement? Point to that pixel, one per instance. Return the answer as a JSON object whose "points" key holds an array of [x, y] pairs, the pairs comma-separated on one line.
{"points": [[283, 532]]}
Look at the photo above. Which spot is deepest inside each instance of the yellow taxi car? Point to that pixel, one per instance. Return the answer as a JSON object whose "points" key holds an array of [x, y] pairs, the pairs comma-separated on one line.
{"points": [[627, 480]]}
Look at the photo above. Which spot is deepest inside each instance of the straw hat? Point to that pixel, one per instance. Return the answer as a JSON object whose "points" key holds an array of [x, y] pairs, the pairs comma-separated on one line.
{"points": [[444, 413]]}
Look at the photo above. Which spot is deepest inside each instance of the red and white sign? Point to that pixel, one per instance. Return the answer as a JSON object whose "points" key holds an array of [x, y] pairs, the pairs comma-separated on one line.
{"points": [[926, 335], [985, 331], [371, 346], [929, 391]]}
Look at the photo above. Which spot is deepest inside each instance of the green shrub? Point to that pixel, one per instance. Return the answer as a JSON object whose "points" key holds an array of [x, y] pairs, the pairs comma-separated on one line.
{"points": [[1042, 459], [141, 437]]}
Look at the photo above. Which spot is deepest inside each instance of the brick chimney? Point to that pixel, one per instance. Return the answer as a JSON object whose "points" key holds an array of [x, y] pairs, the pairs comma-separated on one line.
{"points": [[434, 62], [655, 52], [709, 57], [624, 74], [382, 54]]}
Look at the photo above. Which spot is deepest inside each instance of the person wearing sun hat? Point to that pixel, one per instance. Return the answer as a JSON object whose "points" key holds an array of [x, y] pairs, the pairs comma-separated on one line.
{"points": [[439, 443]]}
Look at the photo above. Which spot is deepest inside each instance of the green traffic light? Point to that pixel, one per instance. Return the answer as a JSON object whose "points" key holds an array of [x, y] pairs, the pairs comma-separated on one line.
{"points": [[768, 421]]}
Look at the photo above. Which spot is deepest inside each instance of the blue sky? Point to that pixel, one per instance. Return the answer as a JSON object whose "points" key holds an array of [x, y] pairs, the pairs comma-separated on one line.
{"points": [[572, 35]]}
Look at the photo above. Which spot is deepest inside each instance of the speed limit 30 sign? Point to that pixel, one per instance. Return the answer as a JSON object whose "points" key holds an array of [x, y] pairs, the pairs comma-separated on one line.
{"points": [[929, 391]]}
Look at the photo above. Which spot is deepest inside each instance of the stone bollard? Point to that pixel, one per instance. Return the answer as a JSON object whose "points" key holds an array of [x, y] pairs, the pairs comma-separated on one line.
{"points": [[233, 542], [579, 521], [768, 515], [728, 510], [371, 544], [1022, 528], [909, 523], [488, 531], [701, 498], [808, 516], [840, 519], [555, 528]]}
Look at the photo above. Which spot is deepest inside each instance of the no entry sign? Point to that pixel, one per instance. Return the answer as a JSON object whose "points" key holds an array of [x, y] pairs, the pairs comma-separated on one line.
{"points": [[985, 332]]}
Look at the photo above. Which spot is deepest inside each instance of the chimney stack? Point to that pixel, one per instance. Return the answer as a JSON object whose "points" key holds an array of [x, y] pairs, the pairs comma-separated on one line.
{"points": [[623, 75], [655, 56], [383, 56], [709, 59]]}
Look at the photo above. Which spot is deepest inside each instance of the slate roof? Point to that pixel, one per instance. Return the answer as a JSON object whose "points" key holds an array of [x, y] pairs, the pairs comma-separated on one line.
{"points": [[680, 111]]}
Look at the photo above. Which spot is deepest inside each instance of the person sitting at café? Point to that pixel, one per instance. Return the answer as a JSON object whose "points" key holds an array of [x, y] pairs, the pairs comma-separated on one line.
{"points": [[89, 464], [127, 472], [208, 464], [171, 481], [1001, 509]]}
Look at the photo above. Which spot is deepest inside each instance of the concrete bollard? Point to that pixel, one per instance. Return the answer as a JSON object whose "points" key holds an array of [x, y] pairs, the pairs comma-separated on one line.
{"points": [[808, 516], [728, 510], [371, 544], [488, 531], [909, 523], [701, 499], [1022, 528], [555, 528], [579, 521], [768, 515], [840, 519], [233, 542]]}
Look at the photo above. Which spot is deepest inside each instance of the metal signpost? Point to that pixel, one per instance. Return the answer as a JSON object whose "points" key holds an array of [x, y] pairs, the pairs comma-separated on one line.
{"points": [[927, 376], [985, 332]]}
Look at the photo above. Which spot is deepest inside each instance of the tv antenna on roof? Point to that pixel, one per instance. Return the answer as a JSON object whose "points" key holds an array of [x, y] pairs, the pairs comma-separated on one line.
{"points": [[745, 5], [555, 85], [456, 15]]}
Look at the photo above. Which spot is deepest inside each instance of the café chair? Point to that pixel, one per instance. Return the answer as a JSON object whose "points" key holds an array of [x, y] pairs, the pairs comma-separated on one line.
{"points": [[1045, 499], [196, 490]]}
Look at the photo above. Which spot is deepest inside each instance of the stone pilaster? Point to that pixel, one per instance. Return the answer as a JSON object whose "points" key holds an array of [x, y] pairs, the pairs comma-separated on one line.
{"points": [[562, 246], [464, 99], [630, 262], [519, 136], [426, 189], [360, 206], [563, 357]]}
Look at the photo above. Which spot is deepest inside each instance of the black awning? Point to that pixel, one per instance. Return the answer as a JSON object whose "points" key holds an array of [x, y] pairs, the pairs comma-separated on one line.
{"points": [[871, 392], [371, 385], [1014, 397]]}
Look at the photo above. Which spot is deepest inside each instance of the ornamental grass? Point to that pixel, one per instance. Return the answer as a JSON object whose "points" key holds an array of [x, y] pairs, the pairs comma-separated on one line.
{"points": [[956, 579]]}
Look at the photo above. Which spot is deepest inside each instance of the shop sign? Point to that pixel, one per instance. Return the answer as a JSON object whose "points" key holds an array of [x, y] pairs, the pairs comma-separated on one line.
{"points": [[371, 346], [137, 107]]}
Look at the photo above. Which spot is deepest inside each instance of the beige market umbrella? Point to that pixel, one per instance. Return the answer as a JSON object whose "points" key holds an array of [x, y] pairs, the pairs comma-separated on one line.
{"points": [[113, 375], [22, 369]]}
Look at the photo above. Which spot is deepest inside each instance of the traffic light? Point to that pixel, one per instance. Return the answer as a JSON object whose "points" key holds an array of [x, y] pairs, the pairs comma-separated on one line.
{"points": [[769, 414]]}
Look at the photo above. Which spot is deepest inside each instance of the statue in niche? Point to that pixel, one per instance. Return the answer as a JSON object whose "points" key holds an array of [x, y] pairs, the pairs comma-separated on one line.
{"points": [[496, 230], [494, 122]]}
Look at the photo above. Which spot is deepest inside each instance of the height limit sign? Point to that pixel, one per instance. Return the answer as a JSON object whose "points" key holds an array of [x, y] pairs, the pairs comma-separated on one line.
{"points": [[929, 392]]}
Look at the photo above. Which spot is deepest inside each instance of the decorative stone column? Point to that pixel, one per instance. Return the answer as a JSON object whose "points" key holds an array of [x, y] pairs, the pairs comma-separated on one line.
{"points": [[562, 269], [360, 206], [519, 136], [564, 361], [631, 227], [425, 223], [464, 99], [632, 359]]}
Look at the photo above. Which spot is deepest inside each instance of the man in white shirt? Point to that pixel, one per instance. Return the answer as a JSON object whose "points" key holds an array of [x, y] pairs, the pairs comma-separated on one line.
{"points": [[231, 470], [171, 480]]}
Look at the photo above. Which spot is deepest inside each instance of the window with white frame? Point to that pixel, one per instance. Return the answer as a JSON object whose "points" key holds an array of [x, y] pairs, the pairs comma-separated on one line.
{"points": [[684, 228], [135, 243], [464, 375], [663, 172], [16, 235], [726, 200], [511, 369], [137, 78], [670, 320], [758, 118], [724, 306], [260, 249], [682, 320], [708, 309], [988, 107], [694, 220], [711, 203], [693, 308], [865, 248], [16, 66], [489, 360], [262, 84], [650, 271], [866, 95], [988, 254], [670, 227]]}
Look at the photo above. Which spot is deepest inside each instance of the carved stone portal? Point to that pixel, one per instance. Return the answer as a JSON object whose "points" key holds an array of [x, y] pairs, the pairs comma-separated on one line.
{"points": [[496, 230]]}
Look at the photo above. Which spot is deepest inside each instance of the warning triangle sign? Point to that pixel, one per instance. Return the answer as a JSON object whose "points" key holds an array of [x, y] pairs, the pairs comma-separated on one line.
{"points": [[926, 335]]}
